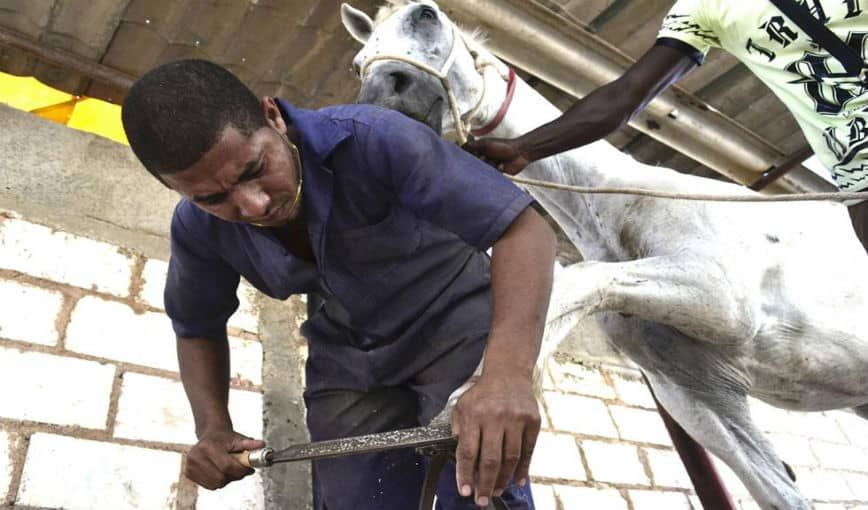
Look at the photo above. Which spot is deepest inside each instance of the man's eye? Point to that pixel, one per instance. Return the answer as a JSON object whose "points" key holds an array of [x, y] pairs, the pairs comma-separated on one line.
{"points": [[253, 174], [212, 200]]}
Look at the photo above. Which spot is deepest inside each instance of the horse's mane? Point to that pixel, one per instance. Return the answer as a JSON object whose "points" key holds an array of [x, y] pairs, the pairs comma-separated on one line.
{"points": [[392, 6]]}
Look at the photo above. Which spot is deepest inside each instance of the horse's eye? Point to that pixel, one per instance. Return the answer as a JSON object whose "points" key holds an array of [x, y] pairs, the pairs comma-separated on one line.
{"points": [[428, 13]]}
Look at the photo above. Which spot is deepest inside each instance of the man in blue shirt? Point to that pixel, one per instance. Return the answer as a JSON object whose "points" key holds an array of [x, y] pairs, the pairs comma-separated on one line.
{"points": [[389, 225]]}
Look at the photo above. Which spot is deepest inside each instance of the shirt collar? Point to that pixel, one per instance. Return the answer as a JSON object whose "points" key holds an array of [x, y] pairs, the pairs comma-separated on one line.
{"points": [[320, 134]]}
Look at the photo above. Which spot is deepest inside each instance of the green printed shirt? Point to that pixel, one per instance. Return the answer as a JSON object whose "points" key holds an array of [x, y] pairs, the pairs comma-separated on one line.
{"points": [[831, 109]]}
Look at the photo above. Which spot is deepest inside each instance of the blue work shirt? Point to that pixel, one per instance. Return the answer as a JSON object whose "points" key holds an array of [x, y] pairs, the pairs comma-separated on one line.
{"points": [[398, 220]]}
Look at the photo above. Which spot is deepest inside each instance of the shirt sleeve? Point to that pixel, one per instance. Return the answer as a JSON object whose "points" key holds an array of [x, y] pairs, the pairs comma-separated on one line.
{"points": [[442, 183], [688, 27], [200, 293]]}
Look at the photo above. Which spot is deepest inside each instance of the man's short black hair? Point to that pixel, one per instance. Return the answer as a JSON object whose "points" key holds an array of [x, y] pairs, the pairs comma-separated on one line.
{"points": [[174, 114]]}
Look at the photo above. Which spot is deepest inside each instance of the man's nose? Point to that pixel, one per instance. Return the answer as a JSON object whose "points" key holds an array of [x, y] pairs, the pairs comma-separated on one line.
{"points": [[252, 201]]}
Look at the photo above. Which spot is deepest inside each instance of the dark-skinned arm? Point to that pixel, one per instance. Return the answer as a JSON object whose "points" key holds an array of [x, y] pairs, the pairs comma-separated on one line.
{"points": [[593, 117], [204, 367], [497, 421]]}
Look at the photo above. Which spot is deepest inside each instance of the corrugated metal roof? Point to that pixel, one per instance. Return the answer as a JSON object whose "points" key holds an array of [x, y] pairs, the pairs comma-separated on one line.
{"points": [[298, 49]]}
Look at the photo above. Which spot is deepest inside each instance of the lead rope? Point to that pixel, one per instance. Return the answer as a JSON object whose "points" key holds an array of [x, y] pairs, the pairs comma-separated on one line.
{"points": [[838, 196]]}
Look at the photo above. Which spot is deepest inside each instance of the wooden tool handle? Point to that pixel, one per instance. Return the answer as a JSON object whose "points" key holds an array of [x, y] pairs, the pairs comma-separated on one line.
{"points": [[242, 457], [254, 458]]}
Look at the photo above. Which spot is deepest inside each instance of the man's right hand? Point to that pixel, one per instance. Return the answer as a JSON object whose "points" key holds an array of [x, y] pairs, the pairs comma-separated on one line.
{"points": [[209, 462], [504, 154]]}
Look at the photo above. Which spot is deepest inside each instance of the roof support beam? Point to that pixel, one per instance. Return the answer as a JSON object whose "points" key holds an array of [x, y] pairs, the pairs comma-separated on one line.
{"points": [[572, 59], [66, 59]]}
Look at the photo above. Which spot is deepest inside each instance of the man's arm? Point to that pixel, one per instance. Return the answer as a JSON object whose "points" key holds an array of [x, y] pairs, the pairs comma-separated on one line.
{"points": [[497, 421], [204, 366], [593, 117]]}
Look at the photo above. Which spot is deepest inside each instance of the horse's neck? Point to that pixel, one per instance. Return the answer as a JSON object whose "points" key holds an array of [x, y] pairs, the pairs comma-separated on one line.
{"points": [[588, 220]]}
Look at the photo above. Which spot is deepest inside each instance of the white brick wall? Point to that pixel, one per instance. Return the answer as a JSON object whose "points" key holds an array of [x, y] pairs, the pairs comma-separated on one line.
{"points": [[54, 389], [113, 330], [854, 427], [633, 392], [38, 251], [667, 469], [795, 451], [543, 416], [818, 426], [5, 464], [544, 497], [168, 418], [246, 494], [64, 472], [640, 425], [824, 485], [247, 315], [858, 484], [154, 275], [575, 378], [29, 313], [557, 456], [648, 500], [614, 463], [837, 456], [805, 425], [246, 360], [586, 497], [581, 415]]}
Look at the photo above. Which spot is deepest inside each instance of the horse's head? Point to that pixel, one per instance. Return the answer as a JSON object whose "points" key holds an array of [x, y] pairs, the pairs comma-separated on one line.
{"points": [[413, 58]]}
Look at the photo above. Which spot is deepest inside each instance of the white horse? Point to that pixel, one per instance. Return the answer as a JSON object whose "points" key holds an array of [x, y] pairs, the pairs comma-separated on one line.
{"points": [[715, 301]]}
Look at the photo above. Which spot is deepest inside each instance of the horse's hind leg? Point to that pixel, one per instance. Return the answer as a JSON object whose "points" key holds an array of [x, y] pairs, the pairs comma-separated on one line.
{"points": [[721, 422], [704, 388]]}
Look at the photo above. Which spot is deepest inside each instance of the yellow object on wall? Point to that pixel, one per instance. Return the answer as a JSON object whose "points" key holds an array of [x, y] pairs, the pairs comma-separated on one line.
{"points": [[82, 113]]}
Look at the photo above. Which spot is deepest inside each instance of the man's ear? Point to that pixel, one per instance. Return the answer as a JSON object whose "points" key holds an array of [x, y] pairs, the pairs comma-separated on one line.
{"points": [[357, 23], [273, 115]]}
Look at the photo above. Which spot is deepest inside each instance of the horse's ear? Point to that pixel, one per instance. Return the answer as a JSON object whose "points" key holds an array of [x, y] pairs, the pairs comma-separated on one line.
{"points": [[357, 23]]}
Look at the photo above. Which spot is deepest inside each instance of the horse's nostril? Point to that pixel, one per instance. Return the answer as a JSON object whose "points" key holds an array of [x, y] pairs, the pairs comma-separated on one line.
{"points": [[401, 81]]}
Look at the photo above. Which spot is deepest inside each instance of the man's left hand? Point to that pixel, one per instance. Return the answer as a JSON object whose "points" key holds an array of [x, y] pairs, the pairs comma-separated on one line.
{"points": [[497, 422]]}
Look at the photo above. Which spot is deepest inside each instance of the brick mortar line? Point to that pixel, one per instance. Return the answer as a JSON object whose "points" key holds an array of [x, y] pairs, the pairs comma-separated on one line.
{"points": [[137, 278], [64, 316], [607, 401], [848, 502], [28, 428], [626, 495], [615, 441], [235, 383], [187, 491], [114, 402], [584, 458], [594, 484], [20, 444], [138, 306], [543, 403], [646, 466]]}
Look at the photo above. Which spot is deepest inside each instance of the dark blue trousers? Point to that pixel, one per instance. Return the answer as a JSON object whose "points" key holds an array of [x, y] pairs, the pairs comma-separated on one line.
{"points": [[391, 480]]}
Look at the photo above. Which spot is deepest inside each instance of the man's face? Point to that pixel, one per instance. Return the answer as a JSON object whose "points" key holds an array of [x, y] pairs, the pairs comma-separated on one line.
{"points": [[244, 179]]}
